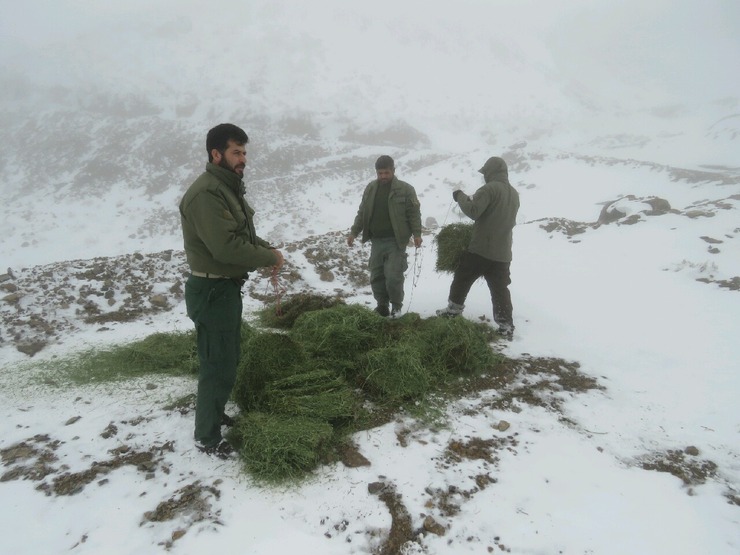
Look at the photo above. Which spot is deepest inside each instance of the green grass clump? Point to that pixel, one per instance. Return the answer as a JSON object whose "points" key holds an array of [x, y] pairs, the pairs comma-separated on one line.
{"points": [[267, 356], [276, 448], [397, 373], [171, 354], [296, 305], [246, 333], [452, 240], [339, 334], [319, 394], [457, 345]]}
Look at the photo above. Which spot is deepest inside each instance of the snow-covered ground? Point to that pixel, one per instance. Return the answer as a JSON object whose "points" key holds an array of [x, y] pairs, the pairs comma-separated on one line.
{"points": [[621, 300]]}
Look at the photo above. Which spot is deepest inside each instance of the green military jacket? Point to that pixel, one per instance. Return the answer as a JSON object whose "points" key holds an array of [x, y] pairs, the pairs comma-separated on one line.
{"points": [[403, 208], [218, 229], [493, 209]]}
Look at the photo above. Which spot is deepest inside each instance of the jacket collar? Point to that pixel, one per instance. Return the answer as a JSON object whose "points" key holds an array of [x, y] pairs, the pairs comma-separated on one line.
{"points": [[228, 177]]}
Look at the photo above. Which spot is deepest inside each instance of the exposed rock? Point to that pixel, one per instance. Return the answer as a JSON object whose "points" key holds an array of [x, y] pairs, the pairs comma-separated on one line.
{"points": [[693, 214], [31, 348], [12, 298], [659, 206], [352, 458], [374, 488], [691, 450], [159, 301], [433, 527], [109, 431], [502, 426], [326, 275], [610, 213]]}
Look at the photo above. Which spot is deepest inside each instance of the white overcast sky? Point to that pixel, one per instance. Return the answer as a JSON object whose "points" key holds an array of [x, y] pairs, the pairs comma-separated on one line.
{"points": [[653, 54]]}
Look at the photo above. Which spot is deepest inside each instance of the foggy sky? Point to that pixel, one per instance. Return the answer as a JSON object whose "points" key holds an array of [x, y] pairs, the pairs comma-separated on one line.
{"points": [[385, 58]]}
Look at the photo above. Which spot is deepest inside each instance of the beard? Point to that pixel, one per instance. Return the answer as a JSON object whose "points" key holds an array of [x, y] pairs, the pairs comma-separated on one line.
{"points": [[238, 169]]}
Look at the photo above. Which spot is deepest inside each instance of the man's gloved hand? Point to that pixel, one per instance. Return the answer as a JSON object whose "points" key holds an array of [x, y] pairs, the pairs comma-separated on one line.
{"points": [[456, 194]]}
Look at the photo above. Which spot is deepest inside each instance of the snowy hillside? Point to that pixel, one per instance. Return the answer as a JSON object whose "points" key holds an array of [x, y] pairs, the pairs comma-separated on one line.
{"points": [[613, 425], [110, 124]]}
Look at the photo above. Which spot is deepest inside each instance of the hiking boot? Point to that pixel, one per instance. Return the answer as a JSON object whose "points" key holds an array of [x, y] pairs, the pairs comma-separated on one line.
{"points": [[507, 332], [223, 450], [451, 310], [396, 312], [382, 309], [227, 421]]}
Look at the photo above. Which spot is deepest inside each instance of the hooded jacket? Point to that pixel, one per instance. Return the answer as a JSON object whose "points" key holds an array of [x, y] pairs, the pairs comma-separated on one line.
{"points": [[493, 209], [403, 209], [217, 226]]}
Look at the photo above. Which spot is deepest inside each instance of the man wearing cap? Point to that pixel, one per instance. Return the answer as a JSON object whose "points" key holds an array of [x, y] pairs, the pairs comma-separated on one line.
{"points": [[493, 209], [221, 247], [389, 215]]}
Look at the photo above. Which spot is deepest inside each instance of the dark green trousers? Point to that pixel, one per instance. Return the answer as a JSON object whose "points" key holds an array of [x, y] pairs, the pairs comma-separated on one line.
{"points": [[387, 265], [215, 307]]}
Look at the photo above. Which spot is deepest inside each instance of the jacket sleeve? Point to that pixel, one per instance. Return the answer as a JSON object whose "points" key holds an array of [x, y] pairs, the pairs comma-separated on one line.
{"points": [[359, 222], [474, 206], [413, 212], [224, 237]]}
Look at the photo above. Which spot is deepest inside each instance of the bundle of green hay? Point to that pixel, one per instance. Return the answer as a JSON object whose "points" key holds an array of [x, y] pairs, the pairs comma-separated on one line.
{"points": [[267, 356], [292, 308], [275, 447], [246, 332], [397, 373], [340, 334], [452, 240], [319, 394], [457, 345]]}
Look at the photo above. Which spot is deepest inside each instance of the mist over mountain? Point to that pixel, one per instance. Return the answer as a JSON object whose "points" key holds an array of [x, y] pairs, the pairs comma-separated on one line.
{"points": [[104, 110]]}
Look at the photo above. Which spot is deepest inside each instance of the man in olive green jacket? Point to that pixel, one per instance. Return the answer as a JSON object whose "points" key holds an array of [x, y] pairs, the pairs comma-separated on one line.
{"points": [[221, 247], [389, 215], [493, 209]]}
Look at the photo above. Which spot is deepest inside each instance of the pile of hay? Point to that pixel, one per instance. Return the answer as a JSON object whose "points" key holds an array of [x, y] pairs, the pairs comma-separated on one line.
{"points": [[397, 373], [460, 346], [277, 447], [319, 394], [266, 357], [292, 308], [452, 240], [392, 362], [340, 334]]}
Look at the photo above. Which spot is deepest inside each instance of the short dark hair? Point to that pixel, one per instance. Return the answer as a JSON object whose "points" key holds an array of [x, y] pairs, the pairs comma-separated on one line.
{"points": [[219, 138], [385, 162]]}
